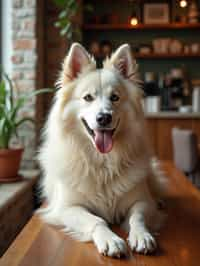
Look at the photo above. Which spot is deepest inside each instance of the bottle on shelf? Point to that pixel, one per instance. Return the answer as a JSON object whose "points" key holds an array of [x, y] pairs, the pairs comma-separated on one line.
{"points": [[150, 84], [152, 101], [164, 94]]}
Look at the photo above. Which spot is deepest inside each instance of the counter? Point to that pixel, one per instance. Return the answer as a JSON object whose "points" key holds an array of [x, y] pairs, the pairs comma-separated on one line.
{"points": [[160, 130]]}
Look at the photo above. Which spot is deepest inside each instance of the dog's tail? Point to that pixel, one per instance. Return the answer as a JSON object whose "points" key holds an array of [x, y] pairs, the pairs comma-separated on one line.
{"points": [[158, 181]]}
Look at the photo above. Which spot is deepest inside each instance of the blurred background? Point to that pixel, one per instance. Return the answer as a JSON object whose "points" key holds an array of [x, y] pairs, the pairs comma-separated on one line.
{"points": [[165, 41]]}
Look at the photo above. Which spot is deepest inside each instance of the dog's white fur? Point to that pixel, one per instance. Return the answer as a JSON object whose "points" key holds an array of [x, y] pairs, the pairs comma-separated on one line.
{"points": [[87, 190]]}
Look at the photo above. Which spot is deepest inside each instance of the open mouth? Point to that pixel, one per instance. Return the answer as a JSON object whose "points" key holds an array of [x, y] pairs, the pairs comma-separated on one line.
{"points": [[102, 137]]}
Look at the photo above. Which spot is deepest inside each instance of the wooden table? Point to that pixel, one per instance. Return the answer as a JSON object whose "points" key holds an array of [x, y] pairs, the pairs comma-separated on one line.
{"points": [[41, 245]]}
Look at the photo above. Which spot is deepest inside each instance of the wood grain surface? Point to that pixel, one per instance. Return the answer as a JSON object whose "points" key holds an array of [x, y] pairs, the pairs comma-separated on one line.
{"points": [[179, 241]]}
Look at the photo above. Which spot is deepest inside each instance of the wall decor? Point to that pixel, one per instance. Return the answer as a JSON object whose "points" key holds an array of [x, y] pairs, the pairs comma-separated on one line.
{"points": [[156, 13], [193, 13]]}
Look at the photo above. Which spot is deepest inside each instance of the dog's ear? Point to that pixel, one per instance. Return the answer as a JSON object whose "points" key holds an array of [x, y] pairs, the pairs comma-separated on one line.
{"points": [[123, 61], [76, 60]]}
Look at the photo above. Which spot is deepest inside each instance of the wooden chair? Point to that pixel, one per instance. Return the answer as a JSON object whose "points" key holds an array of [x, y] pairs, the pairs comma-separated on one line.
{"points": [[185, 151]]}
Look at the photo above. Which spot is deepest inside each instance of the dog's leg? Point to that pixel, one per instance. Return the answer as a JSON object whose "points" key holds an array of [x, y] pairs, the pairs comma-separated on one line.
{"points": [[140, 239], [87, 226]]}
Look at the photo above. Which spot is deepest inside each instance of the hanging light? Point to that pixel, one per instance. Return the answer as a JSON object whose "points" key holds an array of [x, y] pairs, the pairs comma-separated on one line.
{"points": [[183, 3], [133, 19]]}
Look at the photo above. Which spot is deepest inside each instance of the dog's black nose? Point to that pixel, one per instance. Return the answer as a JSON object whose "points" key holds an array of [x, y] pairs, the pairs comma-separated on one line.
{"points": [[104, 119]]}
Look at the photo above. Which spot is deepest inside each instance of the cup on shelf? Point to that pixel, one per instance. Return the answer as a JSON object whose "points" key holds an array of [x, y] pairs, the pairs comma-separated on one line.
{"points": [[152, 104], [175, 47], [195, 48], [185, 109], [161, 45]]}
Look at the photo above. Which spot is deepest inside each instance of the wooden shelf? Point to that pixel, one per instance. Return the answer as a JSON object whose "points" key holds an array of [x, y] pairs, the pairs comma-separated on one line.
{"points": [[165, 56], [140, 26]]}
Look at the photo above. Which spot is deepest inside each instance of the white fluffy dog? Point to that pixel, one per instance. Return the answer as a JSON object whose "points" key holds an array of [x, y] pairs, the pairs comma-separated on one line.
{"points": [[96, 159]]}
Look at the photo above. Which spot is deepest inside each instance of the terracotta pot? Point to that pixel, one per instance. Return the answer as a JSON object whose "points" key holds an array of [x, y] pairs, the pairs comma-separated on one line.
{"points": [[9, 164]]}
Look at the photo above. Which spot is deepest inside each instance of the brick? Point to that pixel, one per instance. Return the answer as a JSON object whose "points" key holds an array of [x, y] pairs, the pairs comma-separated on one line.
{"points": [[29, 24], [24, 34], [27, 113], [24, 44], [16, 25], [30, 3], [25, 66], [17, 75], [25, 85], [17, 59], [30, 56], [28, 109], [17, 3], [30, 75], [25, 12]]}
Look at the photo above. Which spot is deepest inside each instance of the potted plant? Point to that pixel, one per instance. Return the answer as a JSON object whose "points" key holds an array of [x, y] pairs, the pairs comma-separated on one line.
{"points": [[10, 122]]}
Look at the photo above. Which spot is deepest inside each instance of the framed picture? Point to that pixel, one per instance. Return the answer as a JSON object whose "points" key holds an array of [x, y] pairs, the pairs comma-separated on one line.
{"points": [[156, 13]]}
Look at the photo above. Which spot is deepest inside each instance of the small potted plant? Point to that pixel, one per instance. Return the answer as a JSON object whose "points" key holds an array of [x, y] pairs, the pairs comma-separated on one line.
{"points": [[10, 122]]}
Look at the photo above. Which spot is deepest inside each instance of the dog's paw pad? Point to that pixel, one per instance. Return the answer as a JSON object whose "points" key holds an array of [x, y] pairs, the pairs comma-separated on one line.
{"points": [[142, 242]]}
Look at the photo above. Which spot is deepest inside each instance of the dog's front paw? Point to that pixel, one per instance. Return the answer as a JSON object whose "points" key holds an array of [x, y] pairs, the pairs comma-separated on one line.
{"points": [[108, 243], [142, 241]]}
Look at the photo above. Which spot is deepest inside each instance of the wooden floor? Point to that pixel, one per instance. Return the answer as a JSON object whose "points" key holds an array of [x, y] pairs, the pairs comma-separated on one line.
{"points": [[179, 241]]}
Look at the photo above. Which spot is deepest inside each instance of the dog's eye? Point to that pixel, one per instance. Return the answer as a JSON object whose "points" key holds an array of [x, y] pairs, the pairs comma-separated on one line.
{"points": [[88, 98], [114, 98]]}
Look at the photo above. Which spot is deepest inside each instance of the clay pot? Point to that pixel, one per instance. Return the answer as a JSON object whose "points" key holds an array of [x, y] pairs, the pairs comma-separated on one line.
{"points": [[9, 164]]}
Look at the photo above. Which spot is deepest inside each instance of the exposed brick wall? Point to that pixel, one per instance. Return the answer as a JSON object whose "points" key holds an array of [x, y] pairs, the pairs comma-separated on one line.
{"points": [[38, 51], [24, 60]]}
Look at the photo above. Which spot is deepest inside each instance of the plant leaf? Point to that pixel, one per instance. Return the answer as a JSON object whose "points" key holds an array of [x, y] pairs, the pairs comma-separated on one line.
{"points": [[61, 3], [63, 13], [70, 3], [89, 8], [20, 102], [11, 89], [6, 131], [38, 92], [65, 30], [3, 143], [57, 24], [2, 92], [8, 114], [23, 120]]}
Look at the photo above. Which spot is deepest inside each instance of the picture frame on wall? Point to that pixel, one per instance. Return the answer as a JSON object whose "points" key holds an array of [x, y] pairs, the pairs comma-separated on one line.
{"points": [[156, 13]]}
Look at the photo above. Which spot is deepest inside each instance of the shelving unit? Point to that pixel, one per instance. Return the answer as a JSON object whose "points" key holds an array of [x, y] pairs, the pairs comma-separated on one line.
{"points": [[143, 35], [165, 56], [171, 26]]}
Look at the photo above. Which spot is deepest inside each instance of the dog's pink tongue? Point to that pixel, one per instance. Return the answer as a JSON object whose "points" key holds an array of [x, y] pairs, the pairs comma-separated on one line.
{"points": [[103, 140]]}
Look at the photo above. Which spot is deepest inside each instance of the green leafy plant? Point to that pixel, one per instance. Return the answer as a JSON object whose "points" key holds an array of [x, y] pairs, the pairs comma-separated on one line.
{"points": [[9, 110], [66, 22]]}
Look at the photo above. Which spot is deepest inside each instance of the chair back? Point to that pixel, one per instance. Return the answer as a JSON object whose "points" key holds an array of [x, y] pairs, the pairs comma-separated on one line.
{"points": [[185, 149]]}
